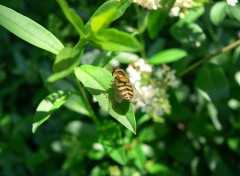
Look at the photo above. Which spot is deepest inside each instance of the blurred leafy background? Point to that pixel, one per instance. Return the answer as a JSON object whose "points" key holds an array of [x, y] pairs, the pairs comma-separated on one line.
{"points": [[198, 136]]}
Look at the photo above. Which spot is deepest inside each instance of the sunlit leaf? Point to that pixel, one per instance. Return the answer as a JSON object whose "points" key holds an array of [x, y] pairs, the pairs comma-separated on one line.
{"points": [[5, 120], [126, 58], [161, 169], [115, 40], [234, 144], [106, 13], [218, 12], [102, 20], [98, 81], [47, 106], [29, 30], [214, 116], [67, 59], [75, 102], [195, 166], [167, 56], [73, 17], [234, 104]]}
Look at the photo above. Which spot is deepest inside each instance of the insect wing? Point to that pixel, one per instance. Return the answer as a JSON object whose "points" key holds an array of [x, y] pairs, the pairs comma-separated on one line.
{"points": [[137, 94], [118, 96]]}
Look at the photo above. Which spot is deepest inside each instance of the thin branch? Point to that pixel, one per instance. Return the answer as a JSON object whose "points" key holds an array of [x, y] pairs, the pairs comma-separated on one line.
{"points": [[84, 95], [208, 58]]}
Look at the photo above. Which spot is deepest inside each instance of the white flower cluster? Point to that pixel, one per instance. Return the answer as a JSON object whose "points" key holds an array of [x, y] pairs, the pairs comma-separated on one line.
{"points": [[181, 7], [152, 84], [149, 4], [232, 2]]}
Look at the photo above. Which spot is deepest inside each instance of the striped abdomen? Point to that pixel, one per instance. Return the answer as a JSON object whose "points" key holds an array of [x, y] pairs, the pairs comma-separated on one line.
{"points": [[124, 88]]}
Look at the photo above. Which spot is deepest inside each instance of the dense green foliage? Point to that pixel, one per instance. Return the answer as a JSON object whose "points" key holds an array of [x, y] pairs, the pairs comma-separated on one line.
{"points": [[58, 114]]}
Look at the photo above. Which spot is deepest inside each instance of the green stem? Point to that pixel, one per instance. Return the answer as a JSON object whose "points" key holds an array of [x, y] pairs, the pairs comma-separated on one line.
{"points": [[82, 41], [208, 58], [141, 28], [142, 51], [84, 95]]}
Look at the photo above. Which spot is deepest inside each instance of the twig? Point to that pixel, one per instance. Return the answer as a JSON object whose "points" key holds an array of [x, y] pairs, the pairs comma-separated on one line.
{"points": [[91, 112], [208, 58]]}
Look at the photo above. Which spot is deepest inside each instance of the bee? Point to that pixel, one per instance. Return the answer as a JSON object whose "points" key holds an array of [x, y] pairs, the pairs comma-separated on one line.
{"points": [[123, 88]]}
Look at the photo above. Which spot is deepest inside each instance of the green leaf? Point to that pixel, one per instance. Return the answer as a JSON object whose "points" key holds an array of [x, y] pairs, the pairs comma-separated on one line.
{"points": [[235, 11], [37, 157], [216, 163], [106, 13], [161, 169], [167, 56], [67, 59], [182, 152], [213, 114], [115, 40], [57, 85], [72, 17], [158, 17], [5, 120], [122, 5], [111, 39], [118, 154], [192, 15], [189, 34], [139, 156], [218, 12], [236, 56], [103, 58], [76, 103], [126, 58], [102, 20], [147, 134], [156, 46], [211, 80], [123, 57], [111, 138], [29, 30], [234, 144], [98, 81], [47, 106]]}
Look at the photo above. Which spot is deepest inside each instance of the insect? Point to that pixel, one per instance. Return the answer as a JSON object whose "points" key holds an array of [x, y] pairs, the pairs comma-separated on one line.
{"points": [[123, 88]]}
